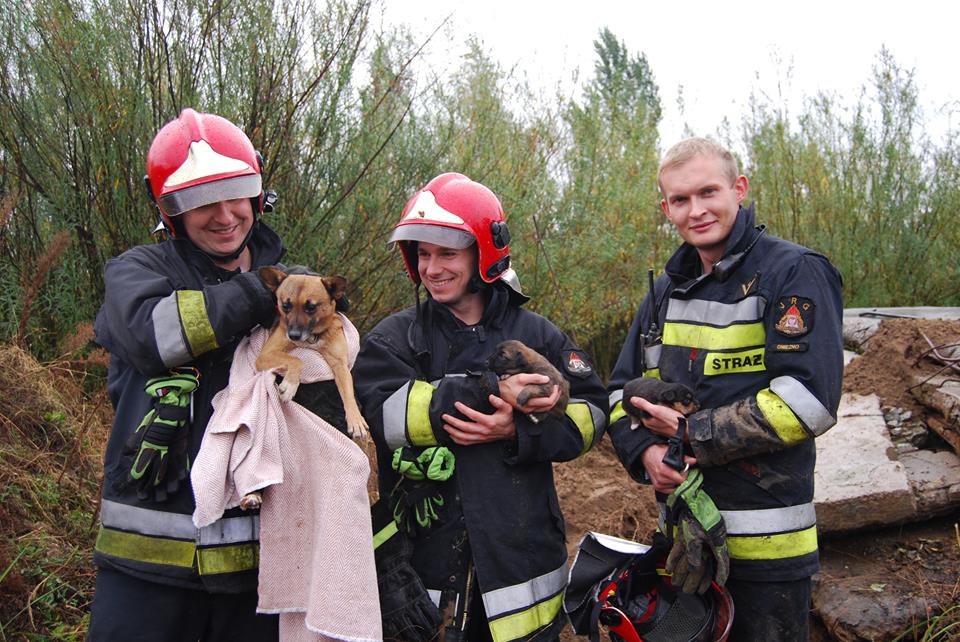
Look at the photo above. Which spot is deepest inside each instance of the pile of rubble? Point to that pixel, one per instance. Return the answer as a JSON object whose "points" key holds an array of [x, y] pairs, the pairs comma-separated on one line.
{"points": [[891, 460]]}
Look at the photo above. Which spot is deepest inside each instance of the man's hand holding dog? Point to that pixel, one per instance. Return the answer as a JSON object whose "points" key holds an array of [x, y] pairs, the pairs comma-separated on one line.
{"points": [[498, 425], [662, 421]]}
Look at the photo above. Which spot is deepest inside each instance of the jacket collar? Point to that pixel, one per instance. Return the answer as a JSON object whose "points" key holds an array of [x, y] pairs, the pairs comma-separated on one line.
{"points": [[685, 264]]}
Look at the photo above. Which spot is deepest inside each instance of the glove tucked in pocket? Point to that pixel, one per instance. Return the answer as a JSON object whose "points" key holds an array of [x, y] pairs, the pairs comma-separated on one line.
{"points": [[159, 444]]}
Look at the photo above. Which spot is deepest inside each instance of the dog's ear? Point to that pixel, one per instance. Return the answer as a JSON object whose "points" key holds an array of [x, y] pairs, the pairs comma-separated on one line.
{"points": [[271, 276], [337, 288]]}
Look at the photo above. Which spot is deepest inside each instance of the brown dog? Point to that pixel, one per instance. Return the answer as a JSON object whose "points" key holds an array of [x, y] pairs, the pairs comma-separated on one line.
{"points": [[514, 357], [673, 395], [307, 318]]}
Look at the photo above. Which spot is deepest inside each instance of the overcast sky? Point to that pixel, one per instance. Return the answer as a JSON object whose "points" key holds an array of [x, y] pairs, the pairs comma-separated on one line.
{"points": [[716, 51]]}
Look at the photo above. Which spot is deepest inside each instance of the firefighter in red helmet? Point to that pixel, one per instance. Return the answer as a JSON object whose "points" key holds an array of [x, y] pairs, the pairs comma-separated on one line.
{"points": [[172, 315], [465, 472]]}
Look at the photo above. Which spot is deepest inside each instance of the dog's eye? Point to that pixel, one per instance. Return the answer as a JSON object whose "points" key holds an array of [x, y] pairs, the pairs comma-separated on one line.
{"points": [[310, 307], [286, 306]]}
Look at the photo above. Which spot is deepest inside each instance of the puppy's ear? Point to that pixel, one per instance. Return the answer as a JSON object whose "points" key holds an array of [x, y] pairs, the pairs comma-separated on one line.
{"points": [[271, 276], [337, 288]]}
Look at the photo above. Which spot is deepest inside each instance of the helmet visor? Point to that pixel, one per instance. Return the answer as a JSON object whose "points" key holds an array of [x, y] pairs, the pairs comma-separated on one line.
{"points": [[176, 203], [436, 234]]}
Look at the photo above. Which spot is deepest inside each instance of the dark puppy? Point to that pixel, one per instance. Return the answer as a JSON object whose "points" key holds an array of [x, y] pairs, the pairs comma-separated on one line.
{"points": [[513, 357], [673, 395]]}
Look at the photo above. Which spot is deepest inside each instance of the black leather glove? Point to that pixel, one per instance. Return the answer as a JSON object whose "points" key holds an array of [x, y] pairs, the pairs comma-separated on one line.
{"points": [[264, 310], [159, 444], [406, 610]]}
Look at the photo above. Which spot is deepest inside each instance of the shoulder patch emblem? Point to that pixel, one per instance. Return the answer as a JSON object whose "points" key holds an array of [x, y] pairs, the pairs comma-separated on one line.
{"points": [[576, 363], [797, 316]]}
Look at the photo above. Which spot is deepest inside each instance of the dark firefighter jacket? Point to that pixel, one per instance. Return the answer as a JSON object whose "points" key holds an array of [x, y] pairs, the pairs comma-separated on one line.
{"points": [[500, 507], [763, 352], [166, 306]]}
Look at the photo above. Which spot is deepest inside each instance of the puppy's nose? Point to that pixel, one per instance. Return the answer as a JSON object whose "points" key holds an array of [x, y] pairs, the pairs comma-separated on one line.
{"points": [[296, 333]]}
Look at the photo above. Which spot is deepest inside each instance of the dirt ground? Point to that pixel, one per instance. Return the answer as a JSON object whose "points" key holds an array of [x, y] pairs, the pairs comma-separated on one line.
{"points": [[920, 560]]}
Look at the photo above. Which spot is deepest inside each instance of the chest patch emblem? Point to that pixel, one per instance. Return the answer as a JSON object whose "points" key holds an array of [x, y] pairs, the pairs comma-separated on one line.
{"points": [[797, 316]]}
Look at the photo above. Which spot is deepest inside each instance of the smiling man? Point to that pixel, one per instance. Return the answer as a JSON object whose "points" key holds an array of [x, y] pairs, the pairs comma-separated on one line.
{"points": [[173, 313], [752, 324], [465, 473]]}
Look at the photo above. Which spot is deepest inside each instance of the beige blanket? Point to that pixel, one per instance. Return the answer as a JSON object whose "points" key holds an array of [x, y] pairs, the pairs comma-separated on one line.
{"points": [[316, 552]]}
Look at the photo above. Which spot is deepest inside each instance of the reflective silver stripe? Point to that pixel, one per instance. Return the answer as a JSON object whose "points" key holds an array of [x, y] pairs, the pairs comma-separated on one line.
{"points": [[434, 597], [395, 418], [145, 521], [230, 530], [804, 404], [436, 382], [651, 357], [763, 521], [716, 313], [168, 332], [769, 520], [176, 203], [599, 419], [522, 596], [616, 396]]}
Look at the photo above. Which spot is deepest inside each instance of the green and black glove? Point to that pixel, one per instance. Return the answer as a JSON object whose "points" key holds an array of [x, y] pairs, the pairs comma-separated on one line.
{"points": [[417, 498], [159, 445], [406, 610], [699, 553]]}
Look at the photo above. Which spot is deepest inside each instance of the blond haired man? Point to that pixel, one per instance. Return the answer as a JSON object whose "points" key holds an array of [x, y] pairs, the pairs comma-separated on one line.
{"points": [[751, 323]]}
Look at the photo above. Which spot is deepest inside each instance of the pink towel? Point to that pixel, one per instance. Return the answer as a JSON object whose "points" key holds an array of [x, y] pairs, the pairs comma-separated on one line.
{"points": [[316, 550]]}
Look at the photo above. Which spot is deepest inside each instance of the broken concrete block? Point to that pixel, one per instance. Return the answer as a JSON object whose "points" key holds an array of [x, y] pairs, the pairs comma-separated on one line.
{"points": [[859, 482], [860, 609], [935, 478]]}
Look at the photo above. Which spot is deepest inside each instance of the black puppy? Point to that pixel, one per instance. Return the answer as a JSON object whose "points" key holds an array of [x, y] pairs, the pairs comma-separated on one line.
{"points": [[673, 395], [513, 357]]}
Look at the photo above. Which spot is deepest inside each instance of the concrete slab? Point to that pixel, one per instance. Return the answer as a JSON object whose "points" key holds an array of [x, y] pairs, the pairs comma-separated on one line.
{"points": [[935, 479], [927, 312], [859, 483]]}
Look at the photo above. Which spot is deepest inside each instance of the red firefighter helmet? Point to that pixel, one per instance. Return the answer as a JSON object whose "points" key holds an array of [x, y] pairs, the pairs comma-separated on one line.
{"points": [[454, 211], [623, 586], [198, 159]]}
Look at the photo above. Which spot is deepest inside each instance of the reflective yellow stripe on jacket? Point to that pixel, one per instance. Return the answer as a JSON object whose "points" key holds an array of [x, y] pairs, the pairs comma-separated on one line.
{"points": [[406, 416], [181, 327], [793, 411], [522, 609], [155, 537], [767, 534], [588, 419]]}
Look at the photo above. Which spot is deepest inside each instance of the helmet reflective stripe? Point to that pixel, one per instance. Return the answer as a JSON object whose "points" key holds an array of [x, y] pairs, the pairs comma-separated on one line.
{"points": [[443, 236], [176, 203], [203, 162]]}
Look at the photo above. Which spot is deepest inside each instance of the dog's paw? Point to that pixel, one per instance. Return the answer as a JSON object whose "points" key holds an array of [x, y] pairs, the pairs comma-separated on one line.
{"points": [[287, 389], [251, 501]]}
